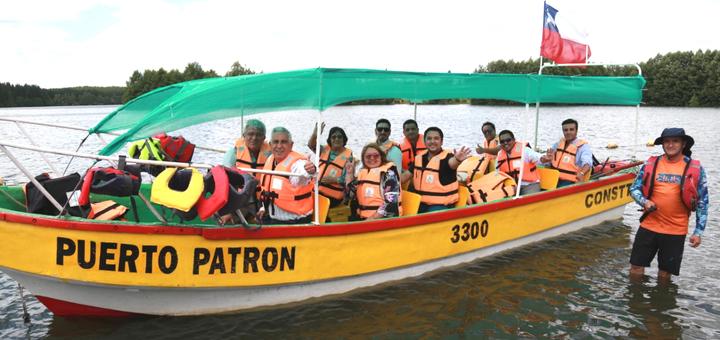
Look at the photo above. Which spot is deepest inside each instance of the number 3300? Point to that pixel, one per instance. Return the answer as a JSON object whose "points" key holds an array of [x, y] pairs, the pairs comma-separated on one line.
{"points": [[469, 231]]}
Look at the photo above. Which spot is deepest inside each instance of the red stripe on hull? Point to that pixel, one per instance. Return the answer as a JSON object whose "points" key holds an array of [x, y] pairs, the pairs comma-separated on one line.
{"points": [[309, 231], [64, 308]]}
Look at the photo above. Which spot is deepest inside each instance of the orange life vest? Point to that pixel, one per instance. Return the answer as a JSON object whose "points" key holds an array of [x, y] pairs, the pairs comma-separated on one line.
{"points": [[473, 166], [369, 192], [409, 151], [490, 187], [688, 185], [297, 200], [493, 143], [388, 145], [667, 182], [511, 165], [243, 158], [334, 169], [106, 211], [564, 160], [426, 181]]}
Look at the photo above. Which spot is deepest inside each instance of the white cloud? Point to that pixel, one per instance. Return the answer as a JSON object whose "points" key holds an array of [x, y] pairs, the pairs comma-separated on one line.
{"points": [[283, 35]]}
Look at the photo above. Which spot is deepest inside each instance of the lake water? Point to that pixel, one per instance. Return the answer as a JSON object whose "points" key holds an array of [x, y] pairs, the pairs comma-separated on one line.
{"points": [[575, 286]]}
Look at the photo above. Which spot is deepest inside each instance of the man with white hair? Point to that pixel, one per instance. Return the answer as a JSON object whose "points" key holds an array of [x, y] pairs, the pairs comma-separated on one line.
{"points": [[286, 199]]}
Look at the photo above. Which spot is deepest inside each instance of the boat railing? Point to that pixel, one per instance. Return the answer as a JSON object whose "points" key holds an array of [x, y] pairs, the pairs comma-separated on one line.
{"points": [[114, 160]]}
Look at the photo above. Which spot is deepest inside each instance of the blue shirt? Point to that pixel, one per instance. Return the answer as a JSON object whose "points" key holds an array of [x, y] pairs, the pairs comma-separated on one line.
{"points": [[701, 213]]}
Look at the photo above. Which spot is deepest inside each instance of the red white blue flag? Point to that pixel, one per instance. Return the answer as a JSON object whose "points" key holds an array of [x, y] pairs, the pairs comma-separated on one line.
{"points": [[561, 41]]}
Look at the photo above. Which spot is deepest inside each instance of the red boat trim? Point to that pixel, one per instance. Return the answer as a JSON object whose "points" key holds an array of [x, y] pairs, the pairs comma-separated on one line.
{"points": [[65, 308], [277, 231]]}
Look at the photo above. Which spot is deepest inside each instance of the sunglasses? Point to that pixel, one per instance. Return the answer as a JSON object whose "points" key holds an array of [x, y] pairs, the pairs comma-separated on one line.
{"points": [[486, 132], [372, 156], [336, 137], [383, 129], [506, 141]]}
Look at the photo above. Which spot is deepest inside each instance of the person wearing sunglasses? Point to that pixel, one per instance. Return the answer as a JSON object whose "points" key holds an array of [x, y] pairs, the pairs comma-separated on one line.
{"points": [[286, 199], [391, 148], [491, 145], [571, 156], [435, 173], [376, 192], [333, 158], [512, 156]]}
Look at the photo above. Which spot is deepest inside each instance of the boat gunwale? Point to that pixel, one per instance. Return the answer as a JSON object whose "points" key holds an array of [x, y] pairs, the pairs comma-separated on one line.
{"points": [[295, 231]]}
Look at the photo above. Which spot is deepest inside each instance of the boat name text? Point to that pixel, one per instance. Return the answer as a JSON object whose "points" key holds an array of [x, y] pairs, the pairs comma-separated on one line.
{"points": [[607, 195], [123, 257], [469, 231]]}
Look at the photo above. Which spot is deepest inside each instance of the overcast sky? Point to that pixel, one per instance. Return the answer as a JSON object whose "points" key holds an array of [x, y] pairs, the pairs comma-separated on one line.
{"points": [[100, 43]]}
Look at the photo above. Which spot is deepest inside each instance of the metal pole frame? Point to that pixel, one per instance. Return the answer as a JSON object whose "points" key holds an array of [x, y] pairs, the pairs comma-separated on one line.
{"points": [[542, 67], [59, 126]]}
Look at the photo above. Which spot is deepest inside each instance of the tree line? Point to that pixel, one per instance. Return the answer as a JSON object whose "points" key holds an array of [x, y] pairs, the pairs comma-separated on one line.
{"points": [[673, 79], [32, 95]]}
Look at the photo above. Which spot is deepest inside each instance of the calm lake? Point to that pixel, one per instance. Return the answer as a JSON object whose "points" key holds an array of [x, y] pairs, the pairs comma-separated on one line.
{"points": [[575, 286]]}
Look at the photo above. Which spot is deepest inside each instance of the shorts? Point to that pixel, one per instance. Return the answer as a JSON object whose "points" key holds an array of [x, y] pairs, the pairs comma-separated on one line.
{"points": [[669, 249]]}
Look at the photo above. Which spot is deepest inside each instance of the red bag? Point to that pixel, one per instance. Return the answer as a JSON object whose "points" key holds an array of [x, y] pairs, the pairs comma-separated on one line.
{"points": [[176, 149]]}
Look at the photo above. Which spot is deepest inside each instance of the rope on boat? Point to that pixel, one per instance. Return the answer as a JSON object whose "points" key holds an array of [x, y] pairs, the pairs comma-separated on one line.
{"points": [[73, 157], [26, 315]]}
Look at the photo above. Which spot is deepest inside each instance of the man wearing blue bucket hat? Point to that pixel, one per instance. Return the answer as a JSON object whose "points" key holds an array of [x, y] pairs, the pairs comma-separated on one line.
{"points": [[669, 188]]}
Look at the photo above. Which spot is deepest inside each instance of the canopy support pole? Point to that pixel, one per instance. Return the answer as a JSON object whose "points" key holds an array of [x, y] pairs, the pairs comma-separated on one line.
{"points": [[316, 160], [32, 179], [537, 123], [637, 123], [415, 112], [522, 166]]}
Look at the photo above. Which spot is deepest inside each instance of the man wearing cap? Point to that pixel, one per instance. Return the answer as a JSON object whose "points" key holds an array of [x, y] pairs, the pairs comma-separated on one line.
{"points": [[669, 188]]}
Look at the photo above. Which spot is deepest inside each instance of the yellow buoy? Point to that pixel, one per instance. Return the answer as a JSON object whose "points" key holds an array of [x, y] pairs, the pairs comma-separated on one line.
{"points": [[650, 143], [612, 146]]}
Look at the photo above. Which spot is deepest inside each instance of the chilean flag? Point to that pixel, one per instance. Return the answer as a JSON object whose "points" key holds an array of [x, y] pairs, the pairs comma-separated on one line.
{"points": [[568, 46]]}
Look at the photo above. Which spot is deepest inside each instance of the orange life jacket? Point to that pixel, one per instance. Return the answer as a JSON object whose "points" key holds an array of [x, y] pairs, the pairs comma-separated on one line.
{"points": [[388, 145], [107, 211], [688, 185], [473, 166], [511, 165], [490, 187], [426, 181], [369, 192], [409, 151], [243, 158], [334, 169], [493, 143], [564, 160], [279, 190]]}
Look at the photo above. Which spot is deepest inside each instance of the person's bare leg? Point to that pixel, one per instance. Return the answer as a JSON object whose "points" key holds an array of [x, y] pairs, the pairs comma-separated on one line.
{"points": [[636, 272], [664, 277]]}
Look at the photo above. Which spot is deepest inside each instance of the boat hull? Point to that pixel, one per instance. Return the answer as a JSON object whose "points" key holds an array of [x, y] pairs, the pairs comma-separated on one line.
{"points": [[195, 271]]}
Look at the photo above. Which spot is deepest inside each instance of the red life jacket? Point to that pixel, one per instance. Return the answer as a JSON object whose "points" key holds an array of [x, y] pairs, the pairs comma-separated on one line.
{"points": [[108, 181], [230, 189], [688, 185], [176, 149]]}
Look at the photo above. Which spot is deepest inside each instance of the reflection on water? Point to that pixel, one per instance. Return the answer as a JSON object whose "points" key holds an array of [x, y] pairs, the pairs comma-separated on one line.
{"points": [[571, 287], [652, 303]]}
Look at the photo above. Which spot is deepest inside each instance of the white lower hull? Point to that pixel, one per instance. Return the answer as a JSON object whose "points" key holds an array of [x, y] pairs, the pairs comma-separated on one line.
{"points": [[195, 301]]}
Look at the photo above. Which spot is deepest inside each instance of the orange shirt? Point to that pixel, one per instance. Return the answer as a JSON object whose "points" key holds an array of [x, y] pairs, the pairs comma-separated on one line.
{"points": [[671, 216]]}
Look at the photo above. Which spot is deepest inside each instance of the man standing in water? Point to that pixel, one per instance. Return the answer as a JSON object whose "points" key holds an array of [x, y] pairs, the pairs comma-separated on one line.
{"points": [[668, 187]]}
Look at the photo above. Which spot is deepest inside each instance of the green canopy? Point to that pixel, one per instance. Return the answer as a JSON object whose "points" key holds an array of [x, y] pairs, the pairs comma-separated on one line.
{"points": [[185, 104]]}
